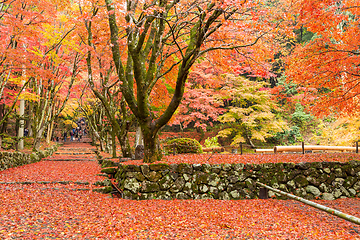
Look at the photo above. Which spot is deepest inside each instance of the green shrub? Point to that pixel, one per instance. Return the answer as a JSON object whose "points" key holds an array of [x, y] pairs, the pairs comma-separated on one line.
{"points": [[212, 142], [184, 145], [299, 117], [8, 143]]}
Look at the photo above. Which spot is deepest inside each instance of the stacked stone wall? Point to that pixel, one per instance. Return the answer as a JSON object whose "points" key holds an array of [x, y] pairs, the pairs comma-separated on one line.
{"points": [[16, 159], [319, 180]]}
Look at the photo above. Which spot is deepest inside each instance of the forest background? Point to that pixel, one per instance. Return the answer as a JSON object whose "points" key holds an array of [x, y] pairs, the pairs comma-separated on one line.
{"points": [[253, 72]]}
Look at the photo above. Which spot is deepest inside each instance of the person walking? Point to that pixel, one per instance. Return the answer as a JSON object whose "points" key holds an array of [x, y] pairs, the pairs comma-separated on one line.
{"points": [[65, 135], [71, 136], [80, 135]]}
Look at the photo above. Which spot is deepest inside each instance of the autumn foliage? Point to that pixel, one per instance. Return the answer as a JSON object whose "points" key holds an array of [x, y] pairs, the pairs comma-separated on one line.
{"points": [[60, 207], [328, 64]]}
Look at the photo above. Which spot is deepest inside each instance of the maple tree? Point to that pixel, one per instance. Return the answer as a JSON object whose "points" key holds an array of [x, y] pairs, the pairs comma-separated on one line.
{"points": [[162, 36], [251, 114], [200, 106], [96, 119], [20, 23], [328, 64], [38, 60], [342, 131], [100, 74]]}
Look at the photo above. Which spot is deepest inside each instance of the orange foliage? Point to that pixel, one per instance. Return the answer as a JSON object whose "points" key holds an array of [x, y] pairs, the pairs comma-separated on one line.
{"points": [[329, 63]]}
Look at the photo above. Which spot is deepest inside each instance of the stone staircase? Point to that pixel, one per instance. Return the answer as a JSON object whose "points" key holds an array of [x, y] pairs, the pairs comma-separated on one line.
{"points": [[74, 151]]}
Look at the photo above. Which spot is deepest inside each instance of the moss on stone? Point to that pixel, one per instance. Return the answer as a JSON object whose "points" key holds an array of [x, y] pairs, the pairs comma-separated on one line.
{"points": [[201, 178], [349, 182], [281, 177], [110, 170], [216, 168], [154, 176], [165, 183], [301, 181], [159, 167], [131, 168], [139, 176], [349, 170], [311, 172], [226, 167], [107, 163], [184, 168], [148, 187]]}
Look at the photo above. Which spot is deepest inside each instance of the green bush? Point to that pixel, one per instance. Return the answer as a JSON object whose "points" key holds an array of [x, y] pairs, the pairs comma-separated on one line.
{"points": [[8, 143], [299, 117], [212, 142], [184, 145]]}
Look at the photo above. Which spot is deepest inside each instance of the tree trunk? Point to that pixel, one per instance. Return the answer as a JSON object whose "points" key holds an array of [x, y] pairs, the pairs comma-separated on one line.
{"points": [[139, 139], [202, 133], [101, 145], [50, 131], [29, 120], [152, 151], [248, 140], [2, 110], [37, 139], [125, 147], [113, 144]]}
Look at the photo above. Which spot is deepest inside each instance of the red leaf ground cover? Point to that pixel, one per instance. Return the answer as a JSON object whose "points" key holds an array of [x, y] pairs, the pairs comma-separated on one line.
{"points": [[254, 158], [57, 211], [33, 213], [53, 171]]}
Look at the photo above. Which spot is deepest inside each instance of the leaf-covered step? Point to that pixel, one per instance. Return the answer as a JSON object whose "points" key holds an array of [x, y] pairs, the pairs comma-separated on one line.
{"points": [[48, 182]]}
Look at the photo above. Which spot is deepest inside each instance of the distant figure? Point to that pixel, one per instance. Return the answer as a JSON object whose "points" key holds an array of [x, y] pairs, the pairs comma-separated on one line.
{"points": [[80, 135], [71, 136], [26, 132], [65, 135]]}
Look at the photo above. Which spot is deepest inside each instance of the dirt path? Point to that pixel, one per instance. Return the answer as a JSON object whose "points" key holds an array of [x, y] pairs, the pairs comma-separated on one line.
{"points": [[53, 199]]}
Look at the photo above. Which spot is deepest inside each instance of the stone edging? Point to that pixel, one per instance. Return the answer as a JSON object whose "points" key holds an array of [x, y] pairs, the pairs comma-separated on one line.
{"points": [[16, 159], [318, 180]]}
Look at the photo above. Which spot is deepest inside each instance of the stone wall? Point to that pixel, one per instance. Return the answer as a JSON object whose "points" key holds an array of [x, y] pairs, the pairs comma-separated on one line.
{"points": [[16, 159], [322, 180]]}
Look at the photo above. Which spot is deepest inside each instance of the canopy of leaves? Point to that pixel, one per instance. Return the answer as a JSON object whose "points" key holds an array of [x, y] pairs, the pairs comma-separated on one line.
{"points": [[328, 65], [251, 114]]}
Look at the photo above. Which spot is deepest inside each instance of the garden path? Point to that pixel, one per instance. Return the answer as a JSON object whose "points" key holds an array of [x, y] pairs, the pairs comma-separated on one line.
{"points": [[52, 199]]}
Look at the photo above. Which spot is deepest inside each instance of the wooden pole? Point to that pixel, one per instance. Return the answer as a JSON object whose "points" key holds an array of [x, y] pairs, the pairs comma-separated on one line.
{"points": [[174, 149], [315, 205], [280, 149], [357, 147], [241, 150], [303, 147], [263, 193]]}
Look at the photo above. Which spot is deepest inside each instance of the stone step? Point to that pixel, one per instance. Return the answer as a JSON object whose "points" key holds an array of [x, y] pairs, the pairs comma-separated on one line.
{"points": [[74, 153], [21, 188], [71, 160], [47, 182]]}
